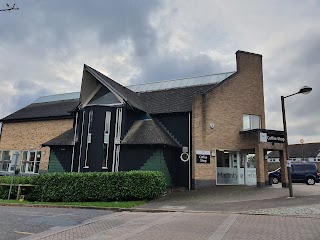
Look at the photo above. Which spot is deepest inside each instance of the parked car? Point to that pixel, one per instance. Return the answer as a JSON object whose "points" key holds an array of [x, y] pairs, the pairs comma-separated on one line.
{"points": [[300, 173]]}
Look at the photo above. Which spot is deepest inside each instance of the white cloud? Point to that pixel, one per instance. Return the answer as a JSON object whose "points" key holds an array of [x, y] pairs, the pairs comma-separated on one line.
{"points": [[45, 44]]}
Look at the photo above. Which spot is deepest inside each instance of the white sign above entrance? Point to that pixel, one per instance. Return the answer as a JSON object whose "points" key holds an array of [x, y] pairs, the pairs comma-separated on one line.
{"points": [[263, 137], [202, 152]]}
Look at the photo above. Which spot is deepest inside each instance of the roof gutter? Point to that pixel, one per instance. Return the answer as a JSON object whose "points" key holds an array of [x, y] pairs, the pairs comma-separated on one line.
{"points": [[37, 119]]}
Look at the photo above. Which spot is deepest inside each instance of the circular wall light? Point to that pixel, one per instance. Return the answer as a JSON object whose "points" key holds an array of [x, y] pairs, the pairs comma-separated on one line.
{"points": [[184, 157]]}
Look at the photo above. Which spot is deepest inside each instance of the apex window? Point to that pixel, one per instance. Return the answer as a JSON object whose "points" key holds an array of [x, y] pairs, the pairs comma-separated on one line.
{"points": [[251, 122]]}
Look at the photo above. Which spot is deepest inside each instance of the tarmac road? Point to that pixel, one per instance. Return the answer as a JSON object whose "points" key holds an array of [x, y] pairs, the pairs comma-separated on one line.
{"points": [[18, 222]]}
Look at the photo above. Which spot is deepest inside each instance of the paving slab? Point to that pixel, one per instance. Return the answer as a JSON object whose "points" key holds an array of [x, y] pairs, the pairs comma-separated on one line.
{"points": [[185, 226], [235, 198]]}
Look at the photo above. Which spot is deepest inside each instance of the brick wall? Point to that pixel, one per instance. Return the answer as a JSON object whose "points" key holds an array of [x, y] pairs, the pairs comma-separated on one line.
{"points": [[224, 106], [30, 136]]}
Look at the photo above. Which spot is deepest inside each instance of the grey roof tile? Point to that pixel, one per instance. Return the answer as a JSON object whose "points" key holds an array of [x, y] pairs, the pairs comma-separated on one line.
{"points": [[65, 139], [58, 109], [172, 100], [148, 132]]}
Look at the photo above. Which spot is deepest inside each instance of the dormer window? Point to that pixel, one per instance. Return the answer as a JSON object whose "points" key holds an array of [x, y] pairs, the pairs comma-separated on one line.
{"points": [[251, 122]]}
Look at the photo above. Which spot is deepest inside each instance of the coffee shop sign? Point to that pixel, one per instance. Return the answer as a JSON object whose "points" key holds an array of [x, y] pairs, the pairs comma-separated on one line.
{"points": [[265, 137], [202, 156]]}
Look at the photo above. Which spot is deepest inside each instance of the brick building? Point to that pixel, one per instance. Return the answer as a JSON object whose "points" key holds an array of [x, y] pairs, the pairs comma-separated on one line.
{"points": [[200, 131], [24, 132]]}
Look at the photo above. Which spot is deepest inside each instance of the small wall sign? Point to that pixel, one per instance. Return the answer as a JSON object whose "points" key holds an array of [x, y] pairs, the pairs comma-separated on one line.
{"points": [[202, 156]]}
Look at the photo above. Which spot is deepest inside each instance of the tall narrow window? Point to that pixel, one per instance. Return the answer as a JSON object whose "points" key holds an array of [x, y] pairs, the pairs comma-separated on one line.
{"points": [[24, 160], [33, 161], [106, 139], [90, 121], [15, 161], [5, 161], [251, 122], [117, 136]]}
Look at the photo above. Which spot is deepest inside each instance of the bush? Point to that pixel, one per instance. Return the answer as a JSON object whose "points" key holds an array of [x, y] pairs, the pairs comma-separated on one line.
{"points": [[4, 190], [83, 187]]}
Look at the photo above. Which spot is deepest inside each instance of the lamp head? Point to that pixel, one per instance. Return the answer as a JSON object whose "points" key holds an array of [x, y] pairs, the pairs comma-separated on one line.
{"points": [[305, 90]]}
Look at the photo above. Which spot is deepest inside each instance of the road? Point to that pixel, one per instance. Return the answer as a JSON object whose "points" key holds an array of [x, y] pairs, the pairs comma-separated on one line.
{"points": [[18, 222]]}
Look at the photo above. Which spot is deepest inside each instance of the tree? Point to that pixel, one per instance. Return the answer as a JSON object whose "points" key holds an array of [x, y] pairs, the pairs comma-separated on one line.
{"points": [[9, 7]]}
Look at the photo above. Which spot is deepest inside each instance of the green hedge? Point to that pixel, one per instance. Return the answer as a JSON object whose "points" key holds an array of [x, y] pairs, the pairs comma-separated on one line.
{"points": [[4, 190], [80, 187]]}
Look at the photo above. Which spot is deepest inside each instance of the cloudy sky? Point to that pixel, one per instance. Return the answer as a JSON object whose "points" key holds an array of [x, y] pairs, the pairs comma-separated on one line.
{"points": [[44, 45]]}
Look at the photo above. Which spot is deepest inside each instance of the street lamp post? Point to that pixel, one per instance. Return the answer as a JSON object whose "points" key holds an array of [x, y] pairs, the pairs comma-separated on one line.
{"points": [[303, 90], [302, 154]]}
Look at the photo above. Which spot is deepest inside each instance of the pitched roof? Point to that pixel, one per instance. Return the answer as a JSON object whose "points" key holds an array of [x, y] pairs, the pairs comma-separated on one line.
{"points": [[128, 96], [44, 110], [58, 97], [148, 132], [296, 151], [171, 96], [65, 139], [180, 82], [165, 96], [172, 100]]}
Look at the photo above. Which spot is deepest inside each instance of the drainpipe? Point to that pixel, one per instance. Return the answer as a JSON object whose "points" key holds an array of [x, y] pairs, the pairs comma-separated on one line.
{"points": [[0, 128], [190, 175]]}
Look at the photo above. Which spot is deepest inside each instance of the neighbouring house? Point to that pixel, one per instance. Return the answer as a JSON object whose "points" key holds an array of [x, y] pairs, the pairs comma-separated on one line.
{"points": [[308, 152], [24, 132], [199, 131]]}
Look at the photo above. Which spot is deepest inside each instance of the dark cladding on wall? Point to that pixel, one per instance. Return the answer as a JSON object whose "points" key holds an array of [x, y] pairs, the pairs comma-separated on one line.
{"points": [[94, 151], [60, 159], [155, 158], [177, 125]]}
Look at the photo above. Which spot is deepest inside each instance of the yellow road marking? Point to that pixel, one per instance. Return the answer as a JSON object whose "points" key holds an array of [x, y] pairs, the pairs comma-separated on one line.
{"points": [[28, 233]]}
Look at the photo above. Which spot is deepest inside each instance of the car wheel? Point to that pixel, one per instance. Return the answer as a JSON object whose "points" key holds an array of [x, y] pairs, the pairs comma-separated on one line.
{"points": [[311, 181], [275, 180]]}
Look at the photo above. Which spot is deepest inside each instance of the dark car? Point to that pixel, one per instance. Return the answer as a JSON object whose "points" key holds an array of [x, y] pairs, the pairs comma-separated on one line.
{"points": [[300, 173]]}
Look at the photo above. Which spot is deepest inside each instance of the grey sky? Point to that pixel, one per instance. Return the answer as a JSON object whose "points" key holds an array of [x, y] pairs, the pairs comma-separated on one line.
{"points": [[44, 45]]}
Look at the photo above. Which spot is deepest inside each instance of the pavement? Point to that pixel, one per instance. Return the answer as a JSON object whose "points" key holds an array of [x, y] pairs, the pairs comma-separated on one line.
{"points": [[222, 212], [235, 198]]}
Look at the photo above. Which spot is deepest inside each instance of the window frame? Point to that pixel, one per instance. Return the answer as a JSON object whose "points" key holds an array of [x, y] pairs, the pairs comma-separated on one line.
{"points": [[89, 137], [2, 162], [35, 164], [250, 118], [106, 139]]}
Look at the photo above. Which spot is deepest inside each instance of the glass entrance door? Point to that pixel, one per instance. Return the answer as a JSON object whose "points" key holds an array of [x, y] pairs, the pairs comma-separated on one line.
{"points": [[250, 169], [230, 168]]}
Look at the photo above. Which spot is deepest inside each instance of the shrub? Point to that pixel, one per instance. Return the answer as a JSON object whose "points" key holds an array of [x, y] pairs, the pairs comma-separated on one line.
{"points": [[80, 187], [4, 190]]}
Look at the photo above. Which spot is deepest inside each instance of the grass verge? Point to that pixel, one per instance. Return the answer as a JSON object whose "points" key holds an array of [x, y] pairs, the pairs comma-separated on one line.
{"points": [[128, 204]]}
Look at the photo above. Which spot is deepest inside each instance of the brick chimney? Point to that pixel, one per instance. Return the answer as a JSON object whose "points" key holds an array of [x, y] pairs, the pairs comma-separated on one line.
{"points": [[247, 61]]}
